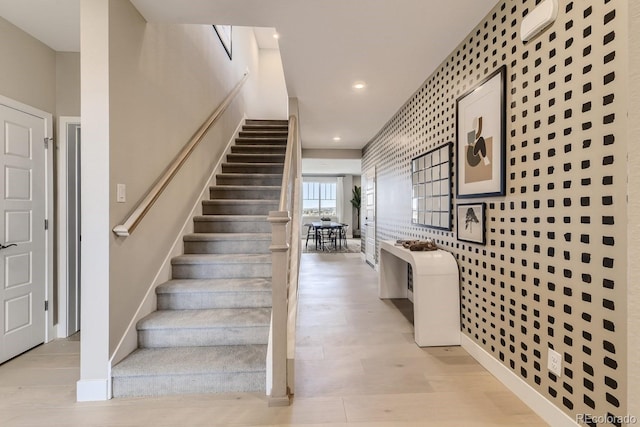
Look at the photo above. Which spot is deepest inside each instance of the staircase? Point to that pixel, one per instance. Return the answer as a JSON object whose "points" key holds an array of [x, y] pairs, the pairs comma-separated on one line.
{"points": [[210, 332]]}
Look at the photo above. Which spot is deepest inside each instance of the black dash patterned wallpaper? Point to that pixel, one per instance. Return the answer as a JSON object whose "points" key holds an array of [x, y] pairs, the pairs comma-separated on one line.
{"points": [[553, 271]]}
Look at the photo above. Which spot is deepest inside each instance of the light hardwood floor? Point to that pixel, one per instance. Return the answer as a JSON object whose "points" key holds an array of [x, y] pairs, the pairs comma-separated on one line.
{"points": [[356, 364]]}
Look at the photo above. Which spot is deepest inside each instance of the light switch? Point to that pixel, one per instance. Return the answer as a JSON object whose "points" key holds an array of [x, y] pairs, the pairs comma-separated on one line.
{"points": [[121, 193]]}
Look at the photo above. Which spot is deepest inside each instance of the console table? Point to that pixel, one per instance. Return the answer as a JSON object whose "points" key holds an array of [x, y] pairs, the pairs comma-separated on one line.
{"points": [[436, 291]]}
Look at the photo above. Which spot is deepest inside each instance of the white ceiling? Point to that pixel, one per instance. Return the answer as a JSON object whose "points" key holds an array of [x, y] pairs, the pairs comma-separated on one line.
{"points": [[326, 45]]}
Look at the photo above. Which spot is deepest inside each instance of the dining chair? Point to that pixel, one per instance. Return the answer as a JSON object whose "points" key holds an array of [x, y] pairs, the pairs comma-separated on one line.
{"points": [[311, 232], [343, 234], [326, 237]]}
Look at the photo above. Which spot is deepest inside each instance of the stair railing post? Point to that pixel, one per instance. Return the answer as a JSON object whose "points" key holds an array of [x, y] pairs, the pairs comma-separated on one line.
{"points": [[279, 220]]}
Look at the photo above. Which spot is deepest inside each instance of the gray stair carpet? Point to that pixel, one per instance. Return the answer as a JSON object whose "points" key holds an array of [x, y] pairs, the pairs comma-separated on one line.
{"points": [[211, 327]]}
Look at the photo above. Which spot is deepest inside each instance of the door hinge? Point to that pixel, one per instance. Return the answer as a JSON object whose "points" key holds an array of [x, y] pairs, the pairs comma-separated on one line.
{"points": [[46, 305], [46, 224], [46, 142]]}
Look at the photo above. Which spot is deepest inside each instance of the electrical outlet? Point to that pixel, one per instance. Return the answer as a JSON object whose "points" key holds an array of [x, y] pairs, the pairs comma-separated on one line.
{"points": [[554, 363]]}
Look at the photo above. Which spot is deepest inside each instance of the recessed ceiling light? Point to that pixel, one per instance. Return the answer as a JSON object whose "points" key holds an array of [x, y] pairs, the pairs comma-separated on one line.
{"points": [[336, 138], [359, 85]]}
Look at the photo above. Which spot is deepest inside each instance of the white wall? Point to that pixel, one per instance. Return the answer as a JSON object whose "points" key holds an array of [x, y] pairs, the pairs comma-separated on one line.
{"points": [[94, 71], [272, 98], [67, 83], [28, 68]]}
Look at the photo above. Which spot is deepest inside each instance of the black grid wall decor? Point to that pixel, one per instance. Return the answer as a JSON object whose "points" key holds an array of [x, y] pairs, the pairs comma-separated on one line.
{"points": [[431, 188], [553, 271]]}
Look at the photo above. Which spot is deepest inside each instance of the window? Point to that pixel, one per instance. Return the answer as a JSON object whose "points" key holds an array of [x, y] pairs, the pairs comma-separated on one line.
{"points": [[319, 199]]}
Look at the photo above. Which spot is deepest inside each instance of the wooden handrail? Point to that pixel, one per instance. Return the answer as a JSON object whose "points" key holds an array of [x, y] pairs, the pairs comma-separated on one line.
{"points": [[130, 224]]}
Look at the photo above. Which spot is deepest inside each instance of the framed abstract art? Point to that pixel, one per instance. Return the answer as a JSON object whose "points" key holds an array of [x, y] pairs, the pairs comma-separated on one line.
{"points": [[471, 222], [481, 138]]}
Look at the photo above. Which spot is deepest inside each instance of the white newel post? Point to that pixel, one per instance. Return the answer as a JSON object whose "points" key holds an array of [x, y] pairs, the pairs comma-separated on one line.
{"points": [[279, 220]]}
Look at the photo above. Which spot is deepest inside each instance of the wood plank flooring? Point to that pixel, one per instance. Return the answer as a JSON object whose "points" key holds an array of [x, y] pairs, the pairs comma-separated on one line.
{"points": [[356, 364]]}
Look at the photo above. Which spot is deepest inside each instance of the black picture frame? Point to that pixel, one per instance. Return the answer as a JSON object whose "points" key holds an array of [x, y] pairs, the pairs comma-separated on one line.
{"points": [[224, 33], [471, 222], [481, 138], [431, 188]]}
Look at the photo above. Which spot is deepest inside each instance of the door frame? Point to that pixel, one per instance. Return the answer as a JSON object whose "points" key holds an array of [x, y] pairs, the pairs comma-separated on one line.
{"points": [[370, 175], [61, 224], [49, 331]]}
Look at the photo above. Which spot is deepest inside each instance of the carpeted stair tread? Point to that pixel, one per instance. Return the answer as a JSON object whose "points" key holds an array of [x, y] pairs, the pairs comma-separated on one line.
{"points": [[199, 294], [250, 175], [206, 319], [208, 237], [268, 148], [228, 218], [195, 259], [251, 165], [255, 158], [249, 179], [246, 188], [192, 360], [279, 122], [176, 286], [262, 133], [262, 140], [243, 168], [239, 201]]}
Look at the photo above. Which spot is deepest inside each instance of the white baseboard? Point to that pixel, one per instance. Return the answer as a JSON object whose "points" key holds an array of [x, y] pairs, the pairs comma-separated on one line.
{"points": [[537, 402], [92, 390]]}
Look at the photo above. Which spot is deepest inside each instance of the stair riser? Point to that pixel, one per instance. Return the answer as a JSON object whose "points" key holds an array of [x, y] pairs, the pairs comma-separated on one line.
{"points": [[231, 382], [210, 300], [259, 122], [265, 127], [227, 247], [175, 337], [260, 141], [262, 134], [251, 168], [232, 227], [231, 179], [239, 208], [253, 149], [220, 271], [244, 194], [255, 158]]}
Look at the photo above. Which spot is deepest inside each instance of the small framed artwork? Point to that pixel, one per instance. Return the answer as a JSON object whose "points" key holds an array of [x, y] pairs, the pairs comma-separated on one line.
{"points": [[224, 34], [431, 188], [471, 222], [481, 138]]}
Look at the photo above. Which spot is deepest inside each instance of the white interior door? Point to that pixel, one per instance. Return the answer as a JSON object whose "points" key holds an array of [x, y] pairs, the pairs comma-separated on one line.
{"points": [[22, 235], [370, 216]]}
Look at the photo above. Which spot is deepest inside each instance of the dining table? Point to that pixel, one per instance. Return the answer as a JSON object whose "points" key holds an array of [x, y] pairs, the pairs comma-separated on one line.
{"points": [[320, 226]]}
